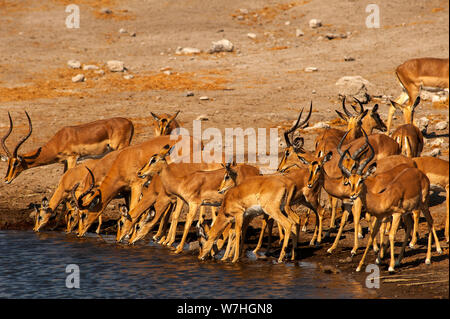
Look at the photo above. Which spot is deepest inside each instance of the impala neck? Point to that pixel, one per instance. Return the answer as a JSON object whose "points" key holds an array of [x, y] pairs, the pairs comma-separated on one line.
{"points": [[38, 157]]}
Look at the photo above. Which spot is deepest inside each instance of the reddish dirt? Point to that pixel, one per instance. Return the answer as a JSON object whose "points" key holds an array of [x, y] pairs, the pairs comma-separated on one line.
{"points": [[261, 84]]}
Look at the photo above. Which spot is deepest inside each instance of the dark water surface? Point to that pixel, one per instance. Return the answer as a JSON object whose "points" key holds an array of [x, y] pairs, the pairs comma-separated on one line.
{"points": [[34, 266]]}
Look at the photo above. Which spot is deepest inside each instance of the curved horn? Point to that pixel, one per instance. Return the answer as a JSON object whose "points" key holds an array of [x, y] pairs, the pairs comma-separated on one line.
{"points": [[6, 136], [344, 170], [340, 144], [361, 107], [91, 187], [297, 125], [16, 149], [73, 195], [367, 160], [345, 109], [363, 147]]}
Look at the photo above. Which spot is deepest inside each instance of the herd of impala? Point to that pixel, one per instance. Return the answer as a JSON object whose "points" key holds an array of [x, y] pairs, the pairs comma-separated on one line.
{"points": [[382, 175]]}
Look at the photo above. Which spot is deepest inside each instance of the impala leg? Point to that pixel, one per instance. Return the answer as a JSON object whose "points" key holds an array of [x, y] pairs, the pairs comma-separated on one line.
{"points": [[409, 225], [230, 244], [356, 210], [341, 227], [394, 226], [333, 204], [429, 219], [389, 120], [71, 162], [99, 224], [170, 239], [163, 223], [214, 214], [382, 249], [308, 213], [201, 215], [261, 234], [317, 236], [238, 222], [193, 207], [416, 215], [373, 233]]}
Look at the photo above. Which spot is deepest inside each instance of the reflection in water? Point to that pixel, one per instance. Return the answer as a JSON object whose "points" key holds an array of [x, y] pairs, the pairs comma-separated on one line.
{"points": [[33, 266]]}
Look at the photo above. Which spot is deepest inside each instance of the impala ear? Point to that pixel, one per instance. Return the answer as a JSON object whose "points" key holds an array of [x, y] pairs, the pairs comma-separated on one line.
{"points": [[342, 116], [416, 102], [44, 203], [396, 105], [327, 157], [123, 209], [3, 158], [155, 116], [371, 170], [303, 160]]}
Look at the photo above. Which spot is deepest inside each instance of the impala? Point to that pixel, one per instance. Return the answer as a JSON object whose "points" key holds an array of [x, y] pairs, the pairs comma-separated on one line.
{"points": [[254, 196], [408, 136], [122, 176], [416, 73], [68, 144], [164, 124], [407, 191]]}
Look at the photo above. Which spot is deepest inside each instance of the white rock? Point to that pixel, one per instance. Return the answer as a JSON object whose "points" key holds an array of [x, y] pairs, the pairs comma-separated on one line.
{"points": [[90, 67], [167, 72], [315, 23], [349, 80], [311, 69], [251, 35], [187, 50], [78, 78], [74, 64], [128, 76], [204, 98], [101, 72], [243, 11], [435, 152], [115, 66], [223, 45], [122, 30], [441, 125], [287, 23], [436, 141], [423, 123], [299, 33]]}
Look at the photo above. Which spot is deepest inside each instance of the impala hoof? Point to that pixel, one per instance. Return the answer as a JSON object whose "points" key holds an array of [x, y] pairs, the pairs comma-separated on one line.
{"points": [[428, 261], [358, 269], [439, 251], [329, 250], [411, 245], [391, 269]]}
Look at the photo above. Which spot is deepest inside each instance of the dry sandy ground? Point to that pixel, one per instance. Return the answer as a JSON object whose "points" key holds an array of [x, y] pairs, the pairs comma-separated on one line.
{"points": [[262, 83]]}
